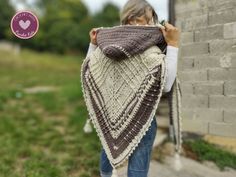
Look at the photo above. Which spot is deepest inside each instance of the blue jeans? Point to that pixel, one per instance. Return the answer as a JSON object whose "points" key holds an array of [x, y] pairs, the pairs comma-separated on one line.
{"points": [[138, 163]]}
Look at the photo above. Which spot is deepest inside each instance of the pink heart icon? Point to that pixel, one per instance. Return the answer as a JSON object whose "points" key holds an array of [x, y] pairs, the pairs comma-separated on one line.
{"points": [[24, 25]]}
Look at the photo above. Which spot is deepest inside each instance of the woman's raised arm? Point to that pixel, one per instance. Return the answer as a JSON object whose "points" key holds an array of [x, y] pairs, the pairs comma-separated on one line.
{"points": [[171, 61]]}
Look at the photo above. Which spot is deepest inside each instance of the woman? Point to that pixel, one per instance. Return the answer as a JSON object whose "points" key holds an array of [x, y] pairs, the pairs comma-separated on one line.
{"points": [[140, 12]]}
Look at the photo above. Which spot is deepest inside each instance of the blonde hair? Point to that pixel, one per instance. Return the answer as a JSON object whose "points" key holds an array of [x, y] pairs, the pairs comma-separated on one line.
{"points": [[136, 8]]}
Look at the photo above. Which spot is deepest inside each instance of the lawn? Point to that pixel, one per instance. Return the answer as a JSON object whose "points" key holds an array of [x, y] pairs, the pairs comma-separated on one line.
{"points": [[41, 133], [202, 150]]}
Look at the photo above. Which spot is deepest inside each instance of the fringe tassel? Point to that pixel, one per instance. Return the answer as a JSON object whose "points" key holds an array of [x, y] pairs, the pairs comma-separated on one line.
{"points": [[88, 127], [175, 128], [114, 173], [177, 164]]}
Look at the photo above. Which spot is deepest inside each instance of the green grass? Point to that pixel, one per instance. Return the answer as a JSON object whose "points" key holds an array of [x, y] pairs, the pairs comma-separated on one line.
{"points": [[41, 134], [211, 152]]}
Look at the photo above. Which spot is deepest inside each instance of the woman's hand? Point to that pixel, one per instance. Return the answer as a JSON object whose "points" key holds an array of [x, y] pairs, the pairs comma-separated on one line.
{"points": [[93, 36], [171, 34]]}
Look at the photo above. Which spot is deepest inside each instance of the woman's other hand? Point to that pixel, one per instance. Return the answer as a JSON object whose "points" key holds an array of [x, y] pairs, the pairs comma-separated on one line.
{"points": [[171, 34], [93, 36]]}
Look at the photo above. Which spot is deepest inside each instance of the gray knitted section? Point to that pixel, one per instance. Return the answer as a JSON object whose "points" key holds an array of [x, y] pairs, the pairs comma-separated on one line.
{"points": [[127, 40]]}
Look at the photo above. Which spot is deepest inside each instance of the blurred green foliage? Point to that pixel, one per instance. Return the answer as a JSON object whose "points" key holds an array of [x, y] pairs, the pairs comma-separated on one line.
{"points": [[64, 25], [6, 13]]}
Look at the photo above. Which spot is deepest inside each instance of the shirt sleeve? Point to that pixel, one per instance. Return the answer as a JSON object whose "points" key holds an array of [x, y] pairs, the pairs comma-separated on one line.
{"points": [[171, 60], [91, 48]]}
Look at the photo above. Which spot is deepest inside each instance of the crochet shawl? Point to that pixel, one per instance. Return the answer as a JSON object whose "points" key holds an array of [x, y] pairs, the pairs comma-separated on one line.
{"points": [[122, 83]]}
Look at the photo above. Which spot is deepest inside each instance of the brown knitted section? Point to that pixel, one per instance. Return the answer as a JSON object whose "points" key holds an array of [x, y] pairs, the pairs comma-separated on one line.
{"points": [[133, 40]]}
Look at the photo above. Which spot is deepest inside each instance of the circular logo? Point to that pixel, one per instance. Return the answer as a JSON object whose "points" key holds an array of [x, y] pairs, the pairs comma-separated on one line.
{"points": [[24, 24]]}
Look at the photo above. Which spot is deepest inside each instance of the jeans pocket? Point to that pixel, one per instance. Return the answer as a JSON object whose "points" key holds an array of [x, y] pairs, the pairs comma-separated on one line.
{"points": [[105, 165], [148, 138], [140, 159]]}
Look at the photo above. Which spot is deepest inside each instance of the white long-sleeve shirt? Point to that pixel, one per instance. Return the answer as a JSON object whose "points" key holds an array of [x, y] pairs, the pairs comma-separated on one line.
{"points": [[171, 61]]}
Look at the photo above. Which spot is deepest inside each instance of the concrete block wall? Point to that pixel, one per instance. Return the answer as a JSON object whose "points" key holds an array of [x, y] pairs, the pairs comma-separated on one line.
{"points": [[207, 65]]}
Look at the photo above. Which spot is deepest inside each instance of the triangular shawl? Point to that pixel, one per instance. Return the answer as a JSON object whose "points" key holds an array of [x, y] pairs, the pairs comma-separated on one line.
{"points": [[122, 83]]}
